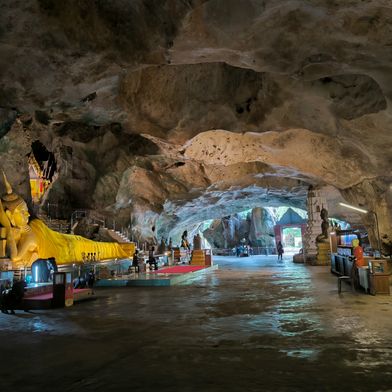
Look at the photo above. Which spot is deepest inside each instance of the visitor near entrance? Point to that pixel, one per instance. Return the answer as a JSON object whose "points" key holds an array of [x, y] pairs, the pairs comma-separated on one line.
{"points": [[280, 250]]}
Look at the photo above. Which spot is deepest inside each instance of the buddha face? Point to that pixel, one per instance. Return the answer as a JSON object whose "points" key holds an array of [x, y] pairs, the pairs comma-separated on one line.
{"points": [[20, 215]]}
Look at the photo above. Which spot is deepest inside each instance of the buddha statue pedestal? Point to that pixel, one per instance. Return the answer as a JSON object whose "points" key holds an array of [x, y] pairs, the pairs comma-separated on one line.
{"points": [[198, 257], [323, 254], [176, 255]]}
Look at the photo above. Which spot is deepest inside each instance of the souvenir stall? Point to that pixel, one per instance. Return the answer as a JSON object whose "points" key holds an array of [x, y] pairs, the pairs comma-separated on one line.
{"points": [[342, 251]]}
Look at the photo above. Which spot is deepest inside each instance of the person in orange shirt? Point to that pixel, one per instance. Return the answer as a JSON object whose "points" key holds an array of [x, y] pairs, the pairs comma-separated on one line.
{"points": [[358, 253], [358, 262]]}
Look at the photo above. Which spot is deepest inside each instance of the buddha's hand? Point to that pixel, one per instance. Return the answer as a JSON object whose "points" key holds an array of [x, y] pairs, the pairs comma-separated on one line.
{"points": [[4, 221], [11, 245]]}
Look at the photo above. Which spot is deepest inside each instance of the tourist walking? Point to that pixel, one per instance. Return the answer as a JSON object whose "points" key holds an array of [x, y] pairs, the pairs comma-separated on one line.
{"points": [[280, 250]]}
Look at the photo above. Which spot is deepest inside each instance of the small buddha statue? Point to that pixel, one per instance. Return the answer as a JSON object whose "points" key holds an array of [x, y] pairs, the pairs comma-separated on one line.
{"points": [[324, 236], [162, 246], [184, 240], [197, 241]]}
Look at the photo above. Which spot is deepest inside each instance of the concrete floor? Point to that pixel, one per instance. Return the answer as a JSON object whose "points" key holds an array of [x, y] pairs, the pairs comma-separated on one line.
{"points": [[252, 325]]}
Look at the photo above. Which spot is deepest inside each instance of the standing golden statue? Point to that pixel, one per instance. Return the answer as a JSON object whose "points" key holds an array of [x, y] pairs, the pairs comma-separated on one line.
{"points": [[30, 240]]}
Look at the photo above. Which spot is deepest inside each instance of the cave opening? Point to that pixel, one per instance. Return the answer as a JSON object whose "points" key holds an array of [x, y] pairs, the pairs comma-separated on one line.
{"points": [[292, 239], [260, 228], [42, 169]]}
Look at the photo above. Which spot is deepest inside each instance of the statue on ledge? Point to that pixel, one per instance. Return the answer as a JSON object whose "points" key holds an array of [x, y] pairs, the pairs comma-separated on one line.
{"points": [[324, 236], [162, 247], [30, 240], [184, 240], [197, 242]]}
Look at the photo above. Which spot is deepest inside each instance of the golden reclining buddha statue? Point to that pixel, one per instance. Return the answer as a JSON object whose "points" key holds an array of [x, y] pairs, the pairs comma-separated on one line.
{"points": [[29, 240]]}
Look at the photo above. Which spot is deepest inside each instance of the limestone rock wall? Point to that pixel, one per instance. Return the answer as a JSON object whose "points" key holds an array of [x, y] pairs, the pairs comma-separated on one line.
{"points": [[167, 113], [227, 232]]}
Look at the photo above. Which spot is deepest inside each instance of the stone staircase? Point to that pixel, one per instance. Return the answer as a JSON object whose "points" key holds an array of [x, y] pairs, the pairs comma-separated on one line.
{"points": [[64, 226], [118, 236], [59, 225]]}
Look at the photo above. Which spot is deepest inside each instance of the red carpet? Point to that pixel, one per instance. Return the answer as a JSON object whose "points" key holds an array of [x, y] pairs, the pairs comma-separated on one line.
{"points": [[44, 297], [40, 297], [180, 269]]}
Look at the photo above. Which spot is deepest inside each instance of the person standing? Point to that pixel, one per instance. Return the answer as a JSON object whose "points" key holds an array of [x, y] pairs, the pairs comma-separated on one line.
{"points": [[151, 259], [135, 261], [4, 292], [280, 250], [14, 297], [91, 279], [359, 261]]}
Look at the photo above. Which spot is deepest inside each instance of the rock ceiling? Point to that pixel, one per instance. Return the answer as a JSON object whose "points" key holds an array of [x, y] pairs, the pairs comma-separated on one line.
{"points": [[184, 110]]}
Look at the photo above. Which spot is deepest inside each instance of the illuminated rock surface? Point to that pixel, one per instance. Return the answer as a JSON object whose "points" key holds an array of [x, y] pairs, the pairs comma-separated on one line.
{"points": [[162, 114], [159, 111]]}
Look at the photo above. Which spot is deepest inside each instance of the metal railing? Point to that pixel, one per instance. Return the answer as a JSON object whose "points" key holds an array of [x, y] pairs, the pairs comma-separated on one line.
{"points": [[75, 216], [91, 215], [256, 250]]}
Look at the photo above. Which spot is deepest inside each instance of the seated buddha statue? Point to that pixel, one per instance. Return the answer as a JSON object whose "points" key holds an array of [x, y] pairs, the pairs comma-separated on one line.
{"points": [[324, 236], [197, 242], [28, 240], [184, 240]]}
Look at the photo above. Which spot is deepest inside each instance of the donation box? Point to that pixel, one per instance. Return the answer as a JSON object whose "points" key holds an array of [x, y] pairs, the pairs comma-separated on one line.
{"points": [[62, 289], [379, 277]]}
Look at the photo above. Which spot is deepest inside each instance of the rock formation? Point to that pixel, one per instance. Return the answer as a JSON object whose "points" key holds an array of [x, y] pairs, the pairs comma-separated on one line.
{"points": [[262, 228], [256, 228], [163, 114]]}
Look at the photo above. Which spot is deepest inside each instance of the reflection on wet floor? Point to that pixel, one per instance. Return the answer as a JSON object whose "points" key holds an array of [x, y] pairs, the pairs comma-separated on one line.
{"points": [[303, 353], [252, 325]]}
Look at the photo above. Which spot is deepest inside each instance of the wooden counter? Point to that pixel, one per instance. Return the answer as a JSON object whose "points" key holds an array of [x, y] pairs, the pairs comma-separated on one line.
{"points": [[379, 284], [379, 276]]}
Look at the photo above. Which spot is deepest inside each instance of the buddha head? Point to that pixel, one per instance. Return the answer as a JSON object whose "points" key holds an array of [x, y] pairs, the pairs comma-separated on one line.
{"points": [[15, 207]]}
